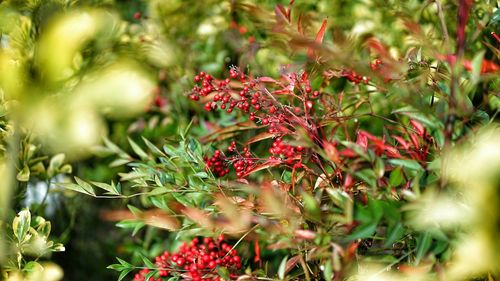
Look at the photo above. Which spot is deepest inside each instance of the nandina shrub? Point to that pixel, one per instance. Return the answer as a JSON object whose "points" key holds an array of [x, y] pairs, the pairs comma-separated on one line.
{"points": [[320, 170]]}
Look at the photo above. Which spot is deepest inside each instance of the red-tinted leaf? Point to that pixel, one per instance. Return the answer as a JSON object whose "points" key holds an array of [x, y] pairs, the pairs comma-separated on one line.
{"points": [[305, 234], [418, 127], [266, 79], [259, 137], [362, 140], [401, 141], [414, 140], [266, 165], [291, 263], [256, 249], [464, 7], [280, 13], [321, 32], [347, 152], [392, 152], [300, 29], [319, 37], [348, 181]]}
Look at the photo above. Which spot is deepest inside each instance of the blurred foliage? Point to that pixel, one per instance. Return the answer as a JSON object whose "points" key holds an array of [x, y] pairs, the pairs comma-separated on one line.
{"points": [[73, 72]]}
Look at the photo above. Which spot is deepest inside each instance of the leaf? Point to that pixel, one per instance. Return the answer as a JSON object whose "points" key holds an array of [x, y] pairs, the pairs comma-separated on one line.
{"points": [[424, 241], [477, 65], [259, 137], [223, 272], [291, 263], [321, 32], [311, 206], [24, 174], [282, 268], [363, 231], [85, 186], [21, 224], [111, 189], [368, 176], [55, 164], [396, 177], [265, 165], [138, 150], [160, 219], [155, 150], [394, 233], [406, 163], [328, 272], [147, 262], [124, 273]]}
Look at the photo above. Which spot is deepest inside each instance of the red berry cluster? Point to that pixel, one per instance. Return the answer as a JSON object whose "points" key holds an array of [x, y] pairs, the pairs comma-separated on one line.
{"points": [[259, 99], [196, 261], [242, 161], [291, 154], [217, 164], [375, 65], [354, 77]]}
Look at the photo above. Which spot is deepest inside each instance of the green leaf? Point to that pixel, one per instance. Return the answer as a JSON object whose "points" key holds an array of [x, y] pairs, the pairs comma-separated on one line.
{"points": [[55, 164], [396, 177], [21, 224], [155, 150], [24, 174], [116, 266], [111, 189], [147, 262], [363, 231], [311, 206], [394, 233], [223, 272], [136, 211], [201, 175], [282, 268], [87, 187], [406, 163], [368, 176], [328, 272], [138, 150], [477, 64], [150, 275], [424, 241], [124, 273]]}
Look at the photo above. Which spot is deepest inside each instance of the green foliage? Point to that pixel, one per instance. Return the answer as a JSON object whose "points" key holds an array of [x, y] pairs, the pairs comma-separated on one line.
{"points": [[389, 107]]}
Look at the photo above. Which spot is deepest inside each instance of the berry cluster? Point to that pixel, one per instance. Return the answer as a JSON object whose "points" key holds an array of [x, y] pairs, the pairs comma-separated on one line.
{"points": [[258, 99], [354, 77], [217, 164], [290, 154], [241, 161], [196, 261]]}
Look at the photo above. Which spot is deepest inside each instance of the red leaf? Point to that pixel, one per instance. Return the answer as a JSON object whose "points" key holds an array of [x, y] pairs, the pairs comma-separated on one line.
{"points": [[402, 142], [266, 79], [291, 263], [265, 165], [319, 37], [259, 137], [418, 127], [305, 234], [321, 32], [299, 25], [362, 140], [464, 7], [280, 12], [256, 249]]}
